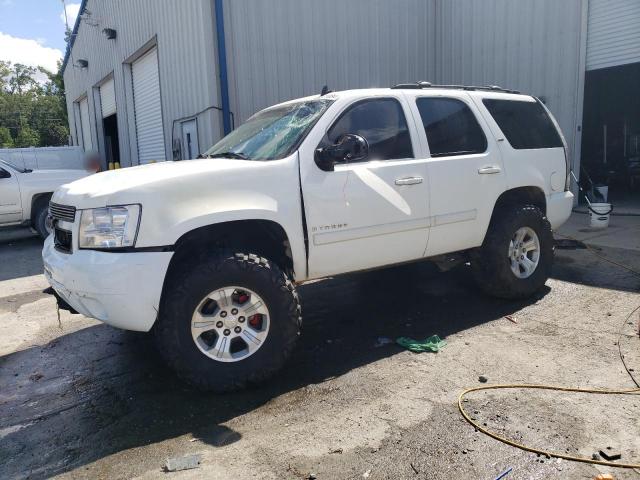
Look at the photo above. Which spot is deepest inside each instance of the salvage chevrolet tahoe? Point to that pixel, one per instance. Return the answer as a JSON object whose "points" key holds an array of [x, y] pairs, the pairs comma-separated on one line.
{"points": [[207, 253]]}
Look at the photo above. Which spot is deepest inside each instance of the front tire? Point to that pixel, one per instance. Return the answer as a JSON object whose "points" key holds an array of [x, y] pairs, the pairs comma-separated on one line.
{"points": [[516, 256], [228, 321], [40, 222]]}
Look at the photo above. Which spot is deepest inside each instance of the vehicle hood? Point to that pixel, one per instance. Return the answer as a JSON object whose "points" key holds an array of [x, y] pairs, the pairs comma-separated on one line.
{"points": [[156, 182]]}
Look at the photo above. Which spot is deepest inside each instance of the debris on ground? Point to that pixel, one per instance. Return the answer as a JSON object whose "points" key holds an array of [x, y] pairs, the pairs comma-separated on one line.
{"points": [[511, 319], [610, 454], [432, 344], [483, 379], [413, 467], [604, 476], [186, 462], [366, 474], [312, 476], [34, 377], [504, 474], [382, 341]]}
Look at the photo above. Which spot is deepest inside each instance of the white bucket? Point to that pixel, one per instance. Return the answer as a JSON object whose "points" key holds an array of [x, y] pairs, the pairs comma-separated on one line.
{"points": [[600, 214]]}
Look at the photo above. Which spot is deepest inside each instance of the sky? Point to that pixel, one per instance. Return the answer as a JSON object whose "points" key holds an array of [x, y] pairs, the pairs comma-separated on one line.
{"points": [[32, 31]]}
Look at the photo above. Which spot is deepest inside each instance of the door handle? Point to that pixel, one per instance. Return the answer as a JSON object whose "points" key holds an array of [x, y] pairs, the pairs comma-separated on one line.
{"points": [[489, 170], [408, 181]]}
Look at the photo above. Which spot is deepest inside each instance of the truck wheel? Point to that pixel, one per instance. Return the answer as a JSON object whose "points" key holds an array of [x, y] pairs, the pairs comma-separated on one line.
{"points": [[516, 256], [40, 221], [227, 322]]}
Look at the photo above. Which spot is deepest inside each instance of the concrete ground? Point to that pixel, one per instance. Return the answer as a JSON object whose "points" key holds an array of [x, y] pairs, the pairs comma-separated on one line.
{"points": [[79, 399]]}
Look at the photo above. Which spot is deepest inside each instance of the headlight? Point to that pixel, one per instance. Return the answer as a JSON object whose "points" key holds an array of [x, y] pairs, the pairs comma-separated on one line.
{"points": [[110, 227]]}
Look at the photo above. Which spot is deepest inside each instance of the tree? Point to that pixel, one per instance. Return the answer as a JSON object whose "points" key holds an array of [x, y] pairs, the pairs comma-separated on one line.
{"points": [[5, 73], [22, 79], [27, 137], [6, 140], [33, 113]]}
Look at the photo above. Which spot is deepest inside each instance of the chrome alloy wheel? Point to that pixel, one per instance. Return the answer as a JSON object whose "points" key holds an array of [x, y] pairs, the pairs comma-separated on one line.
{"points": [[230, 324], [524, 252]]}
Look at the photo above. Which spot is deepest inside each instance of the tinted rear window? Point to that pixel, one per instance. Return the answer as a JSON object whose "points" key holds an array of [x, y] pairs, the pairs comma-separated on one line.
{"points": [[451, 127], [525, 124]]}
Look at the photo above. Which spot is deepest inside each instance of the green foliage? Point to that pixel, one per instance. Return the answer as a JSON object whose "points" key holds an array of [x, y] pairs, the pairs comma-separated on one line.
{"points": [[6, 140], [27, 137], [31, 113]]}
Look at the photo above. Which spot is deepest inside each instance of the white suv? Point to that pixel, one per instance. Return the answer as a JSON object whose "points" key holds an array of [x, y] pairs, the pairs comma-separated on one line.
{"points": [[207, 253]]}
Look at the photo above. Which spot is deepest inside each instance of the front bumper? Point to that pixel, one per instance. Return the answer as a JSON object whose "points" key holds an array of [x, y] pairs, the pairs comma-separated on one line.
{"points": [[559, 206], [121, 289]]}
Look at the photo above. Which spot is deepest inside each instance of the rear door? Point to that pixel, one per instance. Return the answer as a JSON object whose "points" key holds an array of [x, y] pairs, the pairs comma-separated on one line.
{"points": [[369, 213], [465, 169]]}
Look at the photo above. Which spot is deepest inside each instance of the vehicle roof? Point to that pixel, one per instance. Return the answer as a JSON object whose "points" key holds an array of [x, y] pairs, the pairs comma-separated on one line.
{"points": [[429, 91]]}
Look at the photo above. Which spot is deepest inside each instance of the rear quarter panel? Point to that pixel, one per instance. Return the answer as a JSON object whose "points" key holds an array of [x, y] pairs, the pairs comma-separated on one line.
{"points": [[544, 168]]}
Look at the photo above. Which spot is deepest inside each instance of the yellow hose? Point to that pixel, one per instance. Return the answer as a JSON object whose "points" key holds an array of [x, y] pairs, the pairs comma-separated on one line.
{"points": [[521, 446], [634, 391]]}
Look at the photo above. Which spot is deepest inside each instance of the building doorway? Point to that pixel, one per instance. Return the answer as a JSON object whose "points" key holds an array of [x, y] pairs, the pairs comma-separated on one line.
{"points": [[111, 141], [611, 131], [190, 148]]}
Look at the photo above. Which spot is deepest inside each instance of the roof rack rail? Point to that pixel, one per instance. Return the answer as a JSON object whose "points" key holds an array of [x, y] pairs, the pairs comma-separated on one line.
{"points": [[421, 85]]}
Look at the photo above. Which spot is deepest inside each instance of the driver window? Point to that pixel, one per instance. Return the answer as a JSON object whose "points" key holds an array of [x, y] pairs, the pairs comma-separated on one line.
{"points": [[381, 122]]}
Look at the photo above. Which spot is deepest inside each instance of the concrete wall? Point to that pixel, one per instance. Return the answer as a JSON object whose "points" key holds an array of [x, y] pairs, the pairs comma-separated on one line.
{"points": [[183, 33]]}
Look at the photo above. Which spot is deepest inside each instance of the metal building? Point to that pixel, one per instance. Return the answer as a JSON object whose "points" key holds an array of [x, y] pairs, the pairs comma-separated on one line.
{"points": [[152, 80]]}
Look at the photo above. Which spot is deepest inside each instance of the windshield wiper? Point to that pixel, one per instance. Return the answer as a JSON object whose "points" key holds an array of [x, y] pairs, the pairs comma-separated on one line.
{"points": [[238, 155]]}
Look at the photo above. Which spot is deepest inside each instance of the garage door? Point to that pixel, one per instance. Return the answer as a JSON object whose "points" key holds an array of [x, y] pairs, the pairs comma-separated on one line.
{"points": [[85, 125], [613, 35], [108, 98], [146, 100]]}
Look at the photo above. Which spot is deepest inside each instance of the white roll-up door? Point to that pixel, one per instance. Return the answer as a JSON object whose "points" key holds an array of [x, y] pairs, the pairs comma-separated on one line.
{"points": [[613, 34], [146, 102], [85, 125], [108, 98]]}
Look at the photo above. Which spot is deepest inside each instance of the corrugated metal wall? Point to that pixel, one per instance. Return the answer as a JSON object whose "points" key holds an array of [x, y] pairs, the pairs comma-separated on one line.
{"points": [[184, 35], [531, 46], [614, 33], [283, 49]]}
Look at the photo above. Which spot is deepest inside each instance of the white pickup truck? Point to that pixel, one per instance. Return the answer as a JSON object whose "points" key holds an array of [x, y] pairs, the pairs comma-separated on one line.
{"points": [[25, 194], [207, 253]]}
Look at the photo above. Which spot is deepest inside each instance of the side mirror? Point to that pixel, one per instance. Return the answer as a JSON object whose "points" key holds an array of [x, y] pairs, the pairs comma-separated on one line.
{"points": [[4, 173], [348, 148]]}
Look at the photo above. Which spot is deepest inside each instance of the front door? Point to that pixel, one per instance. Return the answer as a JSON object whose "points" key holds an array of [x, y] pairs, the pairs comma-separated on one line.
{"points": [[10, 204], [373, 212]]}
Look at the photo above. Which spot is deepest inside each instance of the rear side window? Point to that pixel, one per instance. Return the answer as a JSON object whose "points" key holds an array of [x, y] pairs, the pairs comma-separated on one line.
{"points": [[525, 124], [381, 122], [451, 127]]}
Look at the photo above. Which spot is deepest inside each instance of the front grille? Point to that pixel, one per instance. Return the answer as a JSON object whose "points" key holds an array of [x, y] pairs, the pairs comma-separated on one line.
{"points": [[62, 240], [62, 212]]}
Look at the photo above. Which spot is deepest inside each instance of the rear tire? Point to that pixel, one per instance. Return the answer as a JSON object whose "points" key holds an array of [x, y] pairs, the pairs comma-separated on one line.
{"points": [[201, 358], [516, 256]]}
